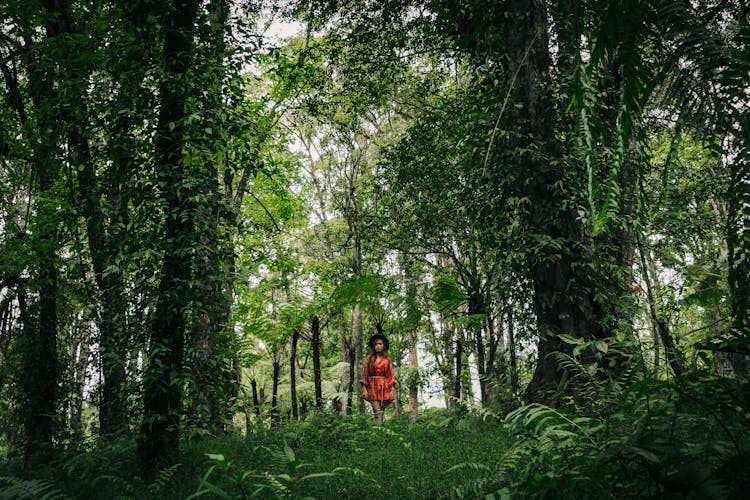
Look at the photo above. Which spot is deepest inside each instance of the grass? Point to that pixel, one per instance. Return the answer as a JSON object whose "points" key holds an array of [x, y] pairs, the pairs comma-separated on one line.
{"points": [[685, 438], [324, 456], [396, 460]]}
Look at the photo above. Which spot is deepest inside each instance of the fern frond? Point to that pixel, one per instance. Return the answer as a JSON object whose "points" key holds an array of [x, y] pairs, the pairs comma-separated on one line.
{"points": [[32, 489], [163, 478]]}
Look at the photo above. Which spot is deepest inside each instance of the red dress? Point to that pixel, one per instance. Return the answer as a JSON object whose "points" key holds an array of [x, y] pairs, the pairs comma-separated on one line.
{"points": [[377, 379]]}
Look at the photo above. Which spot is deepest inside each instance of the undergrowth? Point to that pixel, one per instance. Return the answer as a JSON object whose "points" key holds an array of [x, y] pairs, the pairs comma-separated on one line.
{"points": [[681, 438]]}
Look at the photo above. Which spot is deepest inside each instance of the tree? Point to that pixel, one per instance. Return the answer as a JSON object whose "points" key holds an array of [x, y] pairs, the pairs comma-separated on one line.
{"points": [[159, 441]]}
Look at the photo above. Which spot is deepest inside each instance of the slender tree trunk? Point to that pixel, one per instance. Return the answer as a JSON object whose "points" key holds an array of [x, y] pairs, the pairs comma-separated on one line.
{"points": [[160, 432], [275, 410], [657, 346], [449, 380], [357, 340], [113, 415], [413, 320], [414, 382], [673, 355], [346, 380], [512, 353], [5, 334], [293, 373], [317, 374], [459, 368], [476, 308], [397, 389], [352, 378], [491, 372], [467, 390], [79, 361], [649, 277], [256, 402]]}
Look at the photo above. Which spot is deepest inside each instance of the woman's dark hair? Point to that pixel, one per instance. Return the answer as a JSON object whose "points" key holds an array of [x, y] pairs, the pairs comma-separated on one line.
{"points": [[378, 336]]}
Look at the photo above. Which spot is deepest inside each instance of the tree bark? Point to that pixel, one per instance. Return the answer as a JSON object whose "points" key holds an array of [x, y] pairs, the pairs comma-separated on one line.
{"points": [[347, 357], [293, 373], [275, 410], [738, 243], [358, 358], [160, 431], [79, 361], [459, 353], [512, 353], [562, 295], [41, 363], [214, 379], [256, 402], [414, 382], [317, 375], [113, 415], [449, 382], [660, 325]]}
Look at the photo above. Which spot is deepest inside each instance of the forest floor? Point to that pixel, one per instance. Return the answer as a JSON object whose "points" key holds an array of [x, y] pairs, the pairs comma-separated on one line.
{"points": [[325, 456], [687, 444]]}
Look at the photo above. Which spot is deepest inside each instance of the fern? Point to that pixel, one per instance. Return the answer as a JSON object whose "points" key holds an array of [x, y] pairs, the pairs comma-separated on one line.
{"points": [[163, 477], [33, 489], [263, 483]]}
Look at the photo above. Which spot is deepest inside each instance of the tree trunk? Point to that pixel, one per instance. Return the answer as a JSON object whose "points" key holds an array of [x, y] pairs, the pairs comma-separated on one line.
{"points": [[113, 415], [562, 294], [79, 361], [160, 432], [346, 381], [673, 355], [512, 353], [449, 380], [413, 320], [293, 373], [414, 380], [476, 308], [467, 390], [256, 402], [214, 380], [350, 387], [41, 363], [317, 374], [358, 358], [275, 410], [459, 368], [738, 243]]}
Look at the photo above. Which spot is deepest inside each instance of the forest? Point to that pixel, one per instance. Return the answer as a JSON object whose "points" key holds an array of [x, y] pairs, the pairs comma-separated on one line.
{"points": [[209, 207]]}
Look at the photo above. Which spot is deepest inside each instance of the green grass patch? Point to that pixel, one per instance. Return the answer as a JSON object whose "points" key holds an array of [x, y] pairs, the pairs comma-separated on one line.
{"points": [[328, 456]]}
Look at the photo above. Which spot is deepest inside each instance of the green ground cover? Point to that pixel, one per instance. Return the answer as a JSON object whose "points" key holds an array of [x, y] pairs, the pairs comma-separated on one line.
{"points": [[324, 456]]}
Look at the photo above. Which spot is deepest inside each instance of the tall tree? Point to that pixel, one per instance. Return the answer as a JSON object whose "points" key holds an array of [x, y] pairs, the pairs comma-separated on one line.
{"points": [[41, 30], [163, 378]]}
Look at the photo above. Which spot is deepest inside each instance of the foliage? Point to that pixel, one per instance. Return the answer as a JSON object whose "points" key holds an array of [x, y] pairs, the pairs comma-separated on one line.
{"points": [[17, 488], [290, 484], [554, 198], [665, 438]]}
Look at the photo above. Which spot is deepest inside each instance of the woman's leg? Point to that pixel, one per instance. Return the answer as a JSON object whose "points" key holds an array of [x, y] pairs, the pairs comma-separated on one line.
{"points": [[377, 411]]}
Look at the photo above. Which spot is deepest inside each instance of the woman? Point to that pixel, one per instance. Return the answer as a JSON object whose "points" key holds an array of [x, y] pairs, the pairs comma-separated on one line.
{"points": [[377, 376]]}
